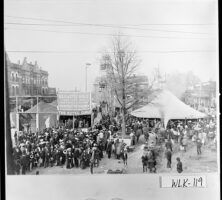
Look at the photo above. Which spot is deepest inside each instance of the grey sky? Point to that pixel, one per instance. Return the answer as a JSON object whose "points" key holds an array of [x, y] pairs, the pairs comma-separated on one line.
{"points": [[67, 70]]}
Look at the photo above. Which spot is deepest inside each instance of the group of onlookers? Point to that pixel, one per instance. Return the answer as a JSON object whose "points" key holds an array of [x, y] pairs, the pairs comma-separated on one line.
{"points": [[83, 148]]}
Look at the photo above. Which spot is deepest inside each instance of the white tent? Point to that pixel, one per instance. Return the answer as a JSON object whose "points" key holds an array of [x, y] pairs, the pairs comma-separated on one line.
{"points": [[166, 106]]}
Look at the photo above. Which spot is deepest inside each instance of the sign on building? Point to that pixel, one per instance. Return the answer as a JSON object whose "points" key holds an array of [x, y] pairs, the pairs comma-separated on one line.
{"points": [[74, 103]]}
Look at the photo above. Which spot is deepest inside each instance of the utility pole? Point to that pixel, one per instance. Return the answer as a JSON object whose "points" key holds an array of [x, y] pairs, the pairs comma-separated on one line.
{"points": [[200, 96], [37, 114], [87, 65]]}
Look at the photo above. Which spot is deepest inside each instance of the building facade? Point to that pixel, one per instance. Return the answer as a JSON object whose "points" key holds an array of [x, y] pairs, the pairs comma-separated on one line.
{"points": [[104, 95], [201, 96], [27, 79]]}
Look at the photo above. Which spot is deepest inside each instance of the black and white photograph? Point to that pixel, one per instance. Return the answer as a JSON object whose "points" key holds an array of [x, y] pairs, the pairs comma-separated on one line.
{"points": [[111, 88]]}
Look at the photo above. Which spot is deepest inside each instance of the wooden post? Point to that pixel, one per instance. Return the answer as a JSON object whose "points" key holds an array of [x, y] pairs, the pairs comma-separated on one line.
{"points": [[73, 122], [17, 115], [37, 114]]}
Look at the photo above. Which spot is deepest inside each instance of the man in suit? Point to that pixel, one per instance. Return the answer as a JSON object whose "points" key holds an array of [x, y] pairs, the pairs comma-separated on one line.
{"points": [[199, 144], [168, 157], [109, 149], [144, 162], [168, 145]]}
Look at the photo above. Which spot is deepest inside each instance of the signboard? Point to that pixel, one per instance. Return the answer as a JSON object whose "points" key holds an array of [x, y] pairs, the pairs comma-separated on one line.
{"points": [[74, 103]]}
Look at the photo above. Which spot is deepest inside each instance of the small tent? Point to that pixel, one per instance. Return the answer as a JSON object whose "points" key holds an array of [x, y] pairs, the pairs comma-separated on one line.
{"points": [[47, 114], [166, 106]]}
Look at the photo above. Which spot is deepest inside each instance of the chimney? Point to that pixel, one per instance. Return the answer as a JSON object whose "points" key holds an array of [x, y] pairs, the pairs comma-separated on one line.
{"points": [[18, 62]]}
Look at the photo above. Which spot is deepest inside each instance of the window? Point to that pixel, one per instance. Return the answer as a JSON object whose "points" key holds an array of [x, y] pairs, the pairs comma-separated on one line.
{"points": [[16, 77], [13, 91], [12, 76], [16, 90]]}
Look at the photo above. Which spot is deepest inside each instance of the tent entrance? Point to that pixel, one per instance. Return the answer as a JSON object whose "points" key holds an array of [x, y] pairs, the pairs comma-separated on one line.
{"points": [[80, 121]]}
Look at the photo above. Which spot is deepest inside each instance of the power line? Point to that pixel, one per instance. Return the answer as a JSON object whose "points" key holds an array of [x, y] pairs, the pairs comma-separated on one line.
{"points": [[102, 25], [180, 24], [158, 24], [149, 51], [107, 34]]}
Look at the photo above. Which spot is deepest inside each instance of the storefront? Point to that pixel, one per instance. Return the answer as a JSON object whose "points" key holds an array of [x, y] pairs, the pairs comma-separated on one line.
{"points": [[75, 109]]}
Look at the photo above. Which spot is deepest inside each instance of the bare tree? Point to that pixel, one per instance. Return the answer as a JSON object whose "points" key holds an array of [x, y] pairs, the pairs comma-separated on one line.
{"points": [[121, 65]]}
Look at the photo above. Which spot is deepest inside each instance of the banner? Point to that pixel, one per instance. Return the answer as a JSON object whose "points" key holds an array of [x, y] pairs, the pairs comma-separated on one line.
{"points": [[74, 103]]}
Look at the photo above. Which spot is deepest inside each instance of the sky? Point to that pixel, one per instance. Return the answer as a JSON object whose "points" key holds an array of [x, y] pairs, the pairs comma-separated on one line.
{"points": [[62, 36]]}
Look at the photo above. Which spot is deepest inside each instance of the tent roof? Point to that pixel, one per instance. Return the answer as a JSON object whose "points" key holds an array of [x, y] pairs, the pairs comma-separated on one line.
{"points": [[148, 111], [167, 106], [43, 107]]}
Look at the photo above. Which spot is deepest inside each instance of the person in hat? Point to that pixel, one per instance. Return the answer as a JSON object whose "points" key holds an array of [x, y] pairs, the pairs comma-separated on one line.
{"points": [[47, 156], [69, 163], [76, 157], [109, 148], [125, 157], [199, 144], [168, 157], [146, 132], [144, 162], [23, 161], [179, 165], [169, 145], [91, 165], [152, 164], [138, 133]]}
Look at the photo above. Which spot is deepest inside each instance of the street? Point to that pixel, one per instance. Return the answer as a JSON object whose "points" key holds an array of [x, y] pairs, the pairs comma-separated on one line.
{"points": [[192, 163]]}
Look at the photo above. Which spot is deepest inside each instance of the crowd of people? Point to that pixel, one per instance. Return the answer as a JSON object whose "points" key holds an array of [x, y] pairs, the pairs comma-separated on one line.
{"points": [[70, 147], [197, 132], [74, 148]]}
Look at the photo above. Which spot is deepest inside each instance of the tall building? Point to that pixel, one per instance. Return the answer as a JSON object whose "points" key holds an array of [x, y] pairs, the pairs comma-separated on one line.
{"points": [[27, 79]]}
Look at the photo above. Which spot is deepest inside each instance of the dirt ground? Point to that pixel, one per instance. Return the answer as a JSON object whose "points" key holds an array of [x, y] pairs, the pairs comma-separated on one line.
{"points": [[192, 163]]}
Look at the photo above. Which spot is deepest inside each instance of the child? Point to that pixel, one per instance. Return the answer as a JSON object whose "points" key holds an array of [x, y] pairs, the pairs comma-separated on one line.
{"points": [[179, 165]]}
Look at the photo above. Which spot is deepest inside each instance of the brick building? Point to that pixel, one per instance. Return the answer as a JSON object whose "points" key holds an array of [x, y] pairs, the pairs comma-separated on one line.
{"points": [[27, 79]]}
